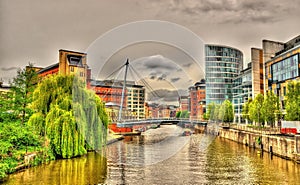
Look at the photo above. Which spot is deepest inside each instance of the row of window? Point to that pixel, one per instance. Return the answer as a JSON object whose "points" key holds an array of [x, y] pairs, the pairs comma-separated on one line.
{"points": [[222, 61], [213, 91], [222, 51], [208, 85], [220, 69], [285, 69]]}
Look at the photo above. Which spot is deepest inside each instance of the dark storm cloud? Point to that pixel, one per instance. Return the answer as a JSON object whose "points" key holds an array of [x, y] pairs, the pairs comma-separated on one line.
{"points": [[187, 65], [152, 77], [234, 11], [173, 80], [9, 68], [163, 95], [157, 63], [166, 95], [162, 77]]}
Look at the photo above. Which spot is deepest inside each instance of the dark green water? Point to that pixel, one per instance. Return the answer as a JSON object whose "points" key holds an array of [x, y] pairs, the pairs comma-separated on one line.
{"points": [[198, 159]]}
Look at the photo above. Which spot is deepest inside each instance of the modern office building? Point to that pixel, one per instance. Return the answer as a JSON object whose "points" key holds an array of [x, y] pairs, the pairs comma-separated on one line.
{"points": [[248, 83], [281, 65], [223, 64], [242, 91]]}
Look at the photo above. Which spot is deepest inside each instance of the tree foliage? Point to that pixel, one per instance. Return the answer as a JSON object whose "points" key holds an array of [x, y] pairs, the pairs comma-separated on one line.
{"points": [[270, 109], [293, 101], [22, 87], [226, 112], [183, 114], [178, 113], [255, 112], [246, 108], [15, 140], [70, 116], [212, 111]]}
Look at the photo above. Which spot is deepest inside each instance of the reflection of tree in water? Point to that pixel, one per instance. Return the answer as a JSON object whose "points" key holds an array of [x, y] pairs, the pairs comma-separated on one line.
{"points": [[89, 169]]}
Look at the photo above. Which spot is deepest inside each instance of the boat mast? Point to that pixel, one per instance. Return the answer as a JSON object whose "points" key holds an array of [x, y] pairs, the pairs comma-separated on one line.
{"points": [[123, 90]]}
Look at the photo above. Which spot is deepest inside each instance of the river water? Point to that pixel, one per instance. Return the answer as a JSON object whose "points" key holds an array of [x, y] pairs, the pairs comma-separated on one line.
{"points": [[196, 159]]}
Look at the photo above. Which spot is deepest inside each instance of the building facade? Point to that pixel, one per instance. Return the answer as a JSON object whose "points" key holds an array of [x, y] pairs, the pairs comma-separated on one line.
{"points": [[248, 83], [242, 91], [109, 91], [70, 62], [281, 66], [184, 103], [197, 100], [223, 64], [136, 99]]}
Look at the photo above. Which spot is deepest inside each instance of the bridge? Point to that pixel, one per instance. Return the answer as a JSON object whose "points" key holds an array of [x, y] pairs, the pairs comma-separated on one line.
{"points": [[159, 121]]}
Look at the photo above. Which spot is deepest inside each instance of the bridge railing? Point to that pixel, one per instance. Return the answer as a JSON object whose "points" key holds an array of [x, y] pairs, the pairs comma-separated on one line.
{"points": [[154, 119]]}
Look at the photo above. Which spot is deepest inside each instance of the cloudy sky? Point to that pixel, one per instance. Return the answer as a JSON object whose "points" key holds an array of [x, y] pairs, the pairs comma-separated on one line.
{"points": [[34, 31]]}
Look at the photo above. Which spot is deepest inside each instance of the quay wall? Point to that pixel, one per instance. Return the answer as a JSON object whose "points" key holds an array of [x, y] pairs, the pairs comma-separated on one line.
{"points": [[283, 146]]}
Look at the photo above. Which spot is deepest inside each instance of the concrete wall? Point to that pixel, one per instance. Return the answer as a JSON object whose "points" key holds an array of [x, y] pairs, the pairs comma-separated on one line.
{"points": [[286, 147]]}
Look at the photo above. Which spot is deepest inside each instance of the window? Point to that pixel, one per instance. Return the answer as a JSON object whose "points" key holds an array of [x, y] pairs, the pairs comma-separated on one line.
{"points": [[72, 69]]}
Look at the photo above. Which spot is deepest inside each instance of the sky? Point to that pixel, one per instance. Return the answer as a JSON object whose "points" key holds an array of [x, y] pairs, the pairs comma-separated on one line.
{"points": [[34, 30]]}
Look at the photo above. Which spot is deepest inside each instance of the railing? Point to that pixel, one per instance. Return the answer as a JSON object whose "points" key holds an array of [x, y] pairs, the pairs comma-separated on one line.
{"points": [[154, 119], [259, 130]]}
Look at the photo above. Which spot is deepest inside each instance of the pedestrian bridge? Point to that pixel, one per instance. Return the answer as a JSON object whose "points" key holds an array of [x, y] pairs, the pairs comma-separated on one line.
{"points": [[159, 121]]}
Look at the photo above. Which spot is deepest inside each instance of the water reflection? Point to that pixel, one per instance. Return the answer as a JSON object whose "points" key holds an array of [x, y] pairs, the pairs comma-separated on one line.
{"points": [[223, 162], [203, 159], [89, 169]]}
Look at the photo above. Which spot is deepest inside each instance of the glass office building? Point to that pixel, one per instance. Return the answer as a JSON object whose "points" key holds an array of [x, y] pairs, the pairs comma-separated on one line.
{"points": [[222, 65]]}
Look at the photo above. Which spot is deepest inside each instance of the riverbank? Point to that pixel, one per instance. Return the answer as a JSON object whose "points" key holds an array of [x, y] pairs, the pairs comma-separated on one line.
{"points": [[287, 147], [112, 138]]}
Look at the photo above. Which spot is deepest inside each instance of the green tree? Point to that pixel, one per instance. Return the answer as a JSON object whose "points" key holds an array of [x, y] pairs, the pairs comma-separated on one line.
{"points": [[245, 110], [6, 113], [270, 110], [178, 114], [293, 101], [72, 117], [212, 111], [226, 112], [255, 106], [209, 111], [22, 87], [185, 114]]}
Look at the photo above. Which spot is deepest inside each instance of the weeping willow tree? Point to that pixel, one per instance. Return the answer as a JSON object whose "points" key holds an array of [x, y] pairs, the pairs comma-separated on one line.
{"points": [[70, 116]]}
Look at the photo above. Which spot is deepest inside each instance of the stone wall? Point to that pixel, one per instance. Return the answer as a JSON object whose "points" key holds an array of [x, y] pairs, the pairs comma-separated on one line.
{"points": [[285, 147]]}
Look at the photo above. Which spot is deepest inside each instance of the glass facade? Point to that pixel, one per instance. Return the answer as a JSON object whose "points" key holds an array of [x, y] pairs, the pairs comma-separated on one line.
{"points": [[222, 65], [242, 91], [285, 69]]}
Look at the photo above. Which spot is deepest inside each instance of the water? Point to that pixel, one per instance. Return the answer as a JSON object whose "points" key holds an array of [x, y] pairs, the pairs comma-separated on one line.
{"points": [[197, 159]]}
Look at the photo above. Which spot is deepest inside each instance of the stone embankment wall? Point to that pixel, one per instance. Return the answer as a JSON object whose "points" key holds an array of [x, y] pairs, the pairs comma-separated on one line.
{"points": [[283, 146]]}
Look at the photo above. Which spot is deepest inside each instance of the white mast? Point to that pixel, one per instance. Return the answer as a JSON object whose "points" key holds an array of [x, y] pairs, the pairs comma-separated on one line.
{"points": [[123, 91]]}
